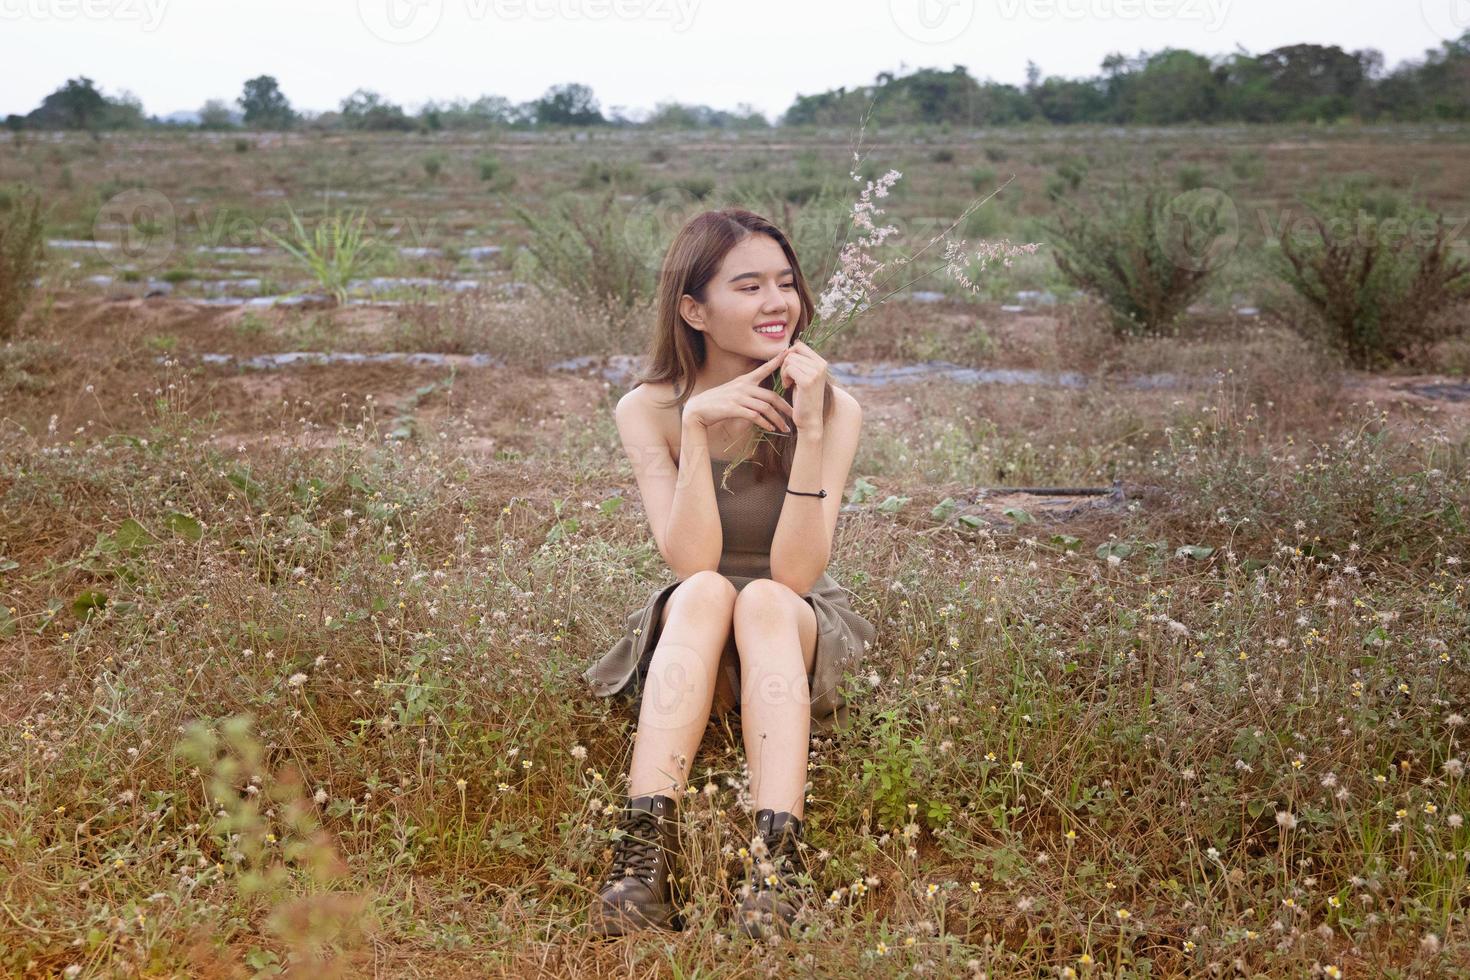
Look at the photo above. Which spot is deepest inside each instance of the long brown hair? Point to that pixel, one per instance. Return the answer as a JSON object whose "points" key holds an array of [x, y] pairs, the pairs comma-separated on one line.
{"points": [[677, 349]]}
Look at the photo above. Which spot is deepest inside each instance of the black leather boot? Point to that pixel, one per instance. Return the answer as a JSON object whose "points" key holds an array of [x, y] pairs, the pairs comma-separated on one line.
{"points": [[777, 883], [638, 892]]}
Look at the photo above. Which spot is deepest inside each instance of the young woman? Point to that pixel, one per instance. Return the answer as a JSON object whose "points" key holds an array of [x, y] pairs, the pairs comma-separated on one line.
{"points": [[754, 623]]}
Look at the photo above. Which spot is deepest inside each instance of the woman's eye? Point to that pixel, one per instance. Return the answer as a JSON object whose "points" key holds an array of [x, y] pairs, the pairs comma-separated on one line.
{"points": [[789, 285]]}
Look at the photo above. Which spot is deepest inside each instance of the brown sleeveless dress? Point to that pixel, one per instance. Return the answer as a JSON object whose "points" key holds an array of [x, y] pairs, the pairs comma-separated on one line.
{"points": [[749, 511]]}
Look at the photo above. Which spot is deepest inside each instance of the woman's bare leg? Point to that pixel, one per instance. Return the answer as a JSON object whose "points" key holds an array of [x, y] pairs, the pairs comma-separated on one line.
{"points": [[679, 690], [776, 634]]}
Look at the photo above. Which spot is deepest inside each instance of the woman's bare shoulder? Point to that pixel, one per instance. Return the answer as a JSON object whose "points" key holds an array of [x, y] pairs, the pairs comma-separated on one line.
{"points": [[651, 403]]}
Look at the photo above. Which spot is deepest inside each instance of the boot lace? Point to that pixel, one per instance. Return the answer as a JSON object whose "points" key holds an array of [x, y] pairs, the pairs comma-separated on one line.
{"points": [[784, 860], [636, 853]]}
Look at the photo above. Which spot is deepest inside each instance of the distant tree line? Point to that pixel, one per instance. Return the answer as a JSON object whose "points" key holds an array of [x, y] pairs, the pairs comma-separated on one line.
{"points": [[1296, 83]]}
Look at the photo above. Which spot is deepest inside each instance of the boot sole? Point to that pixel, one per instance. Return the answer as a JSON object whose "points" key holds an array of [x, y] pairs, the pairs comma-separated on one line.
{"points": [[612, 921]]}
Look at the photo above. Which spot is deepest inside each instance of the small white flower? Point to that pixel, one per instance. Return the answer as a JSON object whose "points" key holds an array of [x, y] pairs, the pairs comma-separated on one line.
{"points": [[296, 680]]}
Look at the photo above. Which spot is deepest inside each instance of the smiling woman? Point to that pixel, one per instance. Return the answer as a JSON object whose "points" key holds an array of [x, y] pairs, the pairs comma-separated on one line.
{"points": [[754, 622]]}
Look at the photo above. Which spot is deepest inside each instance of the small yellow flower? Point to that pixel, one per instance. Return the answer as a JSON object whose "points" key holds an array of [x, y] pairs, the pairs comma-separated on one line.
{"points": [[1085, 959], [1189, 945], [990, 757], [1124, 914], [975, 887], [119, 864], [461, 784], [909, 940], [505, 787], [1430, 808], [930, 891], [1016, 766], [1332, 971], [1334, 901], [1296, 763], [881, 948], [1070, 835], [1401, 813]]}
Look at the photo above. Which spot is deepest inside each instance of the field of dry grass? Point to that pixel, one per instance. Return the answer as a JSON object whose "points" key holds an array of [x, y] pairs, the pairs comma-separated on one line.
{"points": [[289, 657]]}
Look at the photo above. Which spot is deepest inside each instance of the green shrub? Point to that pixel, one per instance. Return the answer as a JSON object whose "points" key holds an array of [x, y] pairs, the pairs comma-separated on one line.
{"points": [[598, 174], [982, 179], [495, 176], [1138, 256], [1191, 177], [942, 155], [335, 252], [1246, 166], [1375, 269], [581, 249], [433, 165], [22, 247]]}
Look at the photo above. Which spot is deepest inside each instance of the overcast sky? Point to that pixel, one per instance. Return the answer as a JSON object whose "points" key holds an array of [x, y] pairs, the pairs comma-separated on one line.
{"points": [[175, 54]]}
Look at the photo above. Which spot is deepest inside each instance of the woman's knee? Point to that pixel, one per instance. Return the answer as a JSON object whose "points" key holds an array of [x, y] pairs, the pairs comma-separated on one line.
{"points": [[765, 600], [707, 589]]}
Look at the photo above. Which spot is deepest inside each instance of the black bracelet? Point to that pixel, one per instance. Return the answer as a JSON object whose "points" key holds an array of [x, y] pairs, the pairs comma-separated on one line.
{"points": [[819, 493]]}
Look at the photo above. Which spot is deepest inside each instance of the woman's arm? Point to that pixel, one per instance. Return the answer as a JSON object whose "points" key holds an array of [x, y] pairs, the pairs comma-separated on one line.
{"points": [[696, 539], [822, 460], [679, 500]]}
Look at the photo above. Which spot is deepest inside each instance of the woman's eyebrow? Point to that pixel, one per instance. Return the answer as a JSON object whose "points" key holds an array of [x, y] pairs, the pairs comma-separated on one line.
{"points": [[756, 275]]}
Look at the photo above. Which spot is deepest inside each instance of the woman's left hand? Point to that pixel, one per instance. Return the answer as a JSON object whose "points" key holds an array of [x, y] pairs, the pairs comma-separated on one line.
{"points": [[806, 371]]}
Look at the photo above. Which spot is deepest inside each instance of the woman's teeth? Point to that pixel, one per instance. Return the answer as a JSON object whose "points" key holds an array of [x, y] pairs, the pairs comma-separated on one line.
{"points": [[771, 331]]}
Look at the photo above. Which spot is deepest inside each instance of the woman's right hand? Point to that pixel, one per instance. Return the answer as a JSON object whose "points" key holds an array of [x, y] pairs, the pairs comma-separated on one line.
{"points": [[743, 397]]}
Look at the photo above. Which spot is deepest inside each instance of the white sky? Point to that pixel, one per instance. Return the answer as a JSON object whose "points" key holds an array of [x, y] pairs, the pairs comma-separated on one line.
{"points": [[175, 54]]}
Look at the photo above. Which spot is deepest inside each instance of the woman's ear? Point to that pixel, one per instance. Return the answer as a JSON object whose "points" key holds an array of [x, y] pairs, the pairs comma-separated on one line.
{"points": [[692, 312]]}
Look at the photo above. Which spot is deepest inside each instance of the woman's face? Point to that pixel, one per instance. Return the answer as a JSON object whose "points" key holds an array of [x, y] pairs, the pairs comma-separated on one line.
{"points": [[755, 285]]}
